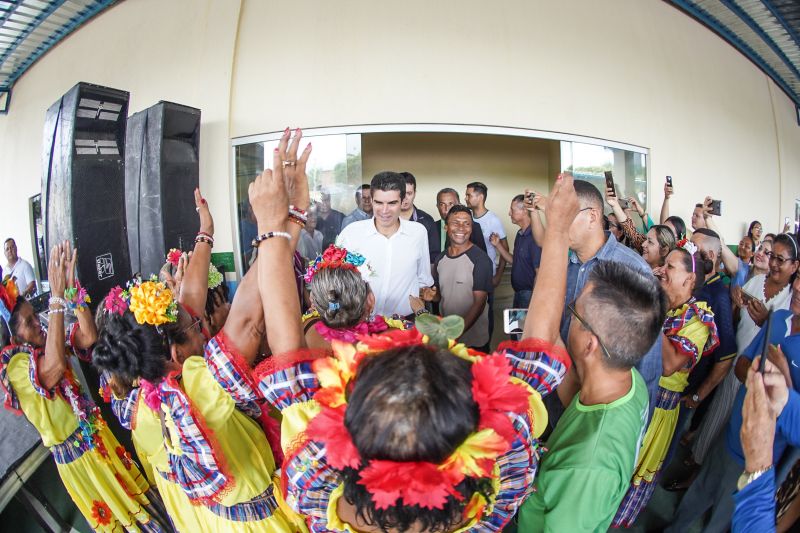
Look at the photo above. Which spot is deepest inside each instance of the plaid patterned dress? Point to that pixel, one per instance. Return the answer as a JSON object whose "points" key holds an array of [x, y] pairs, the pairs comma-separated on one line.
{"points": [[108, 489], [693, 333], [312, 487]]}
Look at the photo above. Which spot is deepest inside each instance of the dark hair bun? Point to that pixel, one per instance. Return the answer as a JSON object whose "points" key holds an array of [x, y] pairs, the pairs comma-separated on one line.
{"points": [[130, 350]]}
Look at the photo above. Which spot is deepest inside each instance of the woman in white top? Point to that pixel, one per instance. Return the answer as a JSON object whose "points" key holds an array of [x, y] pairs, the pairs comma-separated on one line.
{"points": [[766, 292]]}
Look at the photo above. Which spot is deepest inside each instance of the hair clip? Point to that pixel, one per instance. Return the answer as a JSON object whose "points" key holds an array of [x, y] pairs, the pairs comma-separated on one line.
{"points": [[333, 306]]}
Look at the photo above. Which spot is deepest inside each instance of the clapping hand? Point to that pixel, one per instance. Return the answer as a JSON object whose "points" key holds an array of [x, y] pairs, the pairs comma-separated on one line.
{"points": [[295, 174], [762, 404], [562, 205], [57, 265], [206, 220]]}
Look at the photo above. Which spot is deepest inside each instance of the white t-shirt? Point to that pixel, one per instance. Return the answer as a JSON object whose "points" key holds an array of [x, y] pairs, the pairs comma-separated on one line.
{"points": [[400, 263], [22, 272], [490, 223], [747, 328]]}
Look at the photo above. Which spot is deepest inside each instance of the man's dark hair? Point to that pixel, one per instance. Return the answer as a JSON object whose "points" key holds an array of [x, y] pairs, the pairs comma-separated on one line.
{"points": [[411, 404], [708, 233], [518, 198], [588, 194], [362, 187], [478, 187], [389, 181], [448, 190], [627, 309], [698, 205], [679, 224], [9, 239], [458, 209], [409, 177]]}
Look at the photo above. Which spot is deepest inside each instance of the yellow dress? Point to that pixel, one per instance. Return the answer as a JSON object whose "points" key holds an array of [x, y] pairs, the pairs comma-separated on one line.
{"points": [[691, 330], [104, 483], [251, 501]]}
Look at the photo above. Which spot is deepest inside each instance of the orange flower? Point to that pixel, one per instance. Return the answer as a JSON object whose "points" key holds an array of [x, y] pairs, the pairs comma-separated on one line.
{"points": [[101, 512], [152, 303], [334, 373]]}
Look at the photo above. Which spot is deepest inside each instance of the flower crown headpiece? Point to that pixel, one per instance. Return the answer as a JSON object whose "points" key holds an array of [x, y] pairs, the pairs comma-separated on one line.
{"points": [[690, 247], [8, 297], [151, 301], [419, 482], [215, 277], [336, 257]]}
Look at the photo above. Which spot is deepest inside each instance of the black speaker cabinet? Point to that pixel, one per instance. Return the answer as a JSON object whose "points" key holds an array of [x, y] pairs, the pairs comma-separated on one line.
{"points": [[83, 183], [161, 172]]}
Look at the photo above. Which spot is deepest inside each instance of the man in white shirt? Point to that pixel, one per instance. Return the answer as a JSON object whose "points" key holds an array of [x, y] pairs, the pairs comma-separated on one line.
{"points": [[490, 223], [396, 249], [19, 269]]}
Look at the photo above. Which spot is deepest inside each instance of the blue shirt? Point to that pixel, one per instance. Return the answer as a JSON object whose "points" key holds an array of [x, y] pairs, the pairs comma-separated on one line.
{"points": [[527, 255], [649, 366], [717, 295], [790, 345], [741, 275]]}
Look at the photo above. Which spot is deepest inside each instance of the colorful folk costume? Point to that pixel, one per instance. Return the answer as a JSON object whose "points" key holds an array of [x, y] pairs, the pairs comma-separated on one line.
{"points": [[692, 331], [508, 387], [98, 473], [202, 431]]}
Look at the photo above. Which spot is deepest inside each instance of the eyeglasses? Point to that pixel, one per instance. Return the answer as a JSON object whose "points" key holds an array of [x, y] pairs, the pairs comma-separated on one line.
{"points": [[778, 259], [571, 307], [194, 325]]}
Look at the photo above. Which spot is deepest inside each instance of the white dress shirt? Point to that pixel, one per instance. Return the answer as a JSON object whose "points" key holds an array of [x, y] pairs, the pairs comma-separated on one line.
{"points": [[400, 263]]}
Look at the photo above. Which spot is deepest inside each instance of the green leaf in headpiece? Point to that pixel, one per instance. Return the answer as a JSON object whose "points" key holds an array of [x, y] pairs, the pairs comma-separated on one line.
{"points": [[440, 330]]}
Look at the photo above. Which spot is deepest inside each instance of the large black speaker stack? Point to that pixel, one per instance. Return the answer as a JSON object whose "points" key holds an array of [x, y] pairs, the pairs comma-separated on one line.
{"points": [[83, 183], [161, 172]]}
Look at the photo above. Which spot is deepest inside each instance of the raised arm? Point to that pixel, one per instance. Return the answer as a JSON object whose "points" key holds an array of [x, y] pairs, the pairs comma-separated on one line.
{"points": [[729, 259], [297, 190], [86, 334], [270, 201], [245, 323], [547, 303], [52, 366], [194, 283], [535, 203], [665, 204]]}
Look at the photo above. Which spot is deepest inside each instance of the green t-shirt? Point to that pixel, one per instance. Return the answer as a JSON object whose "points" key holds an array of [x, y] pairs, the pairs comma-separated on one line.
{"points": [[586, 473]]}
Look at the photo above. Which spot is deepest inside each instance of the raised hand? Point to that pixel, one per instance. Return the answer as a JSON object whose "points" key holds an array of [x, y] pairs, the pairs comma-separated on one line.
{"points": [[269, 198], [758, 422], [668, 191], [707, 207], [294, 168], [69, 267], [56, 270], [206, 220], [562, 206]]}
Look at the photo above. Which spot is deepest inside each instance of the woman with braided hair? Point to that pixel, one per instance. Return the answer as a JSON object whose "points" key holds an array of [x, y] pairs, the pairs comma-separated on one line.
{"points": [[38, 381], [197, 417]]}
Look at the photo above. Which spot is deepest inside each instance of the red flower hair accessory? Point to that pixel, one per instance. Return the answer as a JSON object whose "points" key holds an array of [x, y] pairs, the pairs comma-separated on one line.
{"points": [[174, 256], [117, 301], [336, 257], [421, 483]]}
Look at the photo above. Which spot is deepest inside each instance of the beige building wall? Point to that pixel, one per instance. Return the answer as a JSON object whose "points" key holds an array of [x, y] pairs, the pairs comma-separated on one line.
{"points": [[632, 71], [507, 165]]}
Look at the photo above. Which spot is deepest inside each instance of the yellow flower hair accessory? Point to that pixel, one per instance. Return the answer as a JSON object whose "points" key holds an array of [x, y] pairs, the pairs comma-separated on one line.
{"points": [[151, 302]]}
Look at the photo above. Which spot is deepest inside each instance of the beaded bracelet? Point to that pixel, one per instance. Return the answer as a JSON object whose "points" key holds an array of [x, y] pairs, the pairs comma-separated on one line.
{"points": [[203, 238], [206, 234], [264, 236], [57, 310], [300, 213], [297, 220], [58, 301]]}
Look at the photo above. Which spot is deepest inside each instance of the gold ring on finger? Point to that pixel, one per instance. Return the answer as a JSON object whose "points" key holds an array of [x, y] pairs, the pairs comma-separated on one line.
{"points": [[289, 163]]}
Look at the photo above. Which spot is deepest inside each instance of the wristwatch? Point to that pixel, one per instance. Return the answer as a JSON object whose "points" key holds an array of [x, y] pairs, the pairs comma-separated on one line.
{"points": [[696, 398], [748, 477]]}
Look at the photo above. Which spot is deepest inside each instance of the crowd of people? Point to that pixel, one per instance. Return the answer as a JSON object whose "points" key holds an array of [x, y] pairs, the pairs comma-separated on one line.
{"points": [[352, 383]]}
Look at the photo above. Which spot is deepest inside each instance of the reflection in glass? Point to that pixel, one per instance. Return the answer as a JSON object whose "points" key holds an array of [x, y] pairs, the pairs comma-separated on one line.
{"points": [[334, 173]]}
